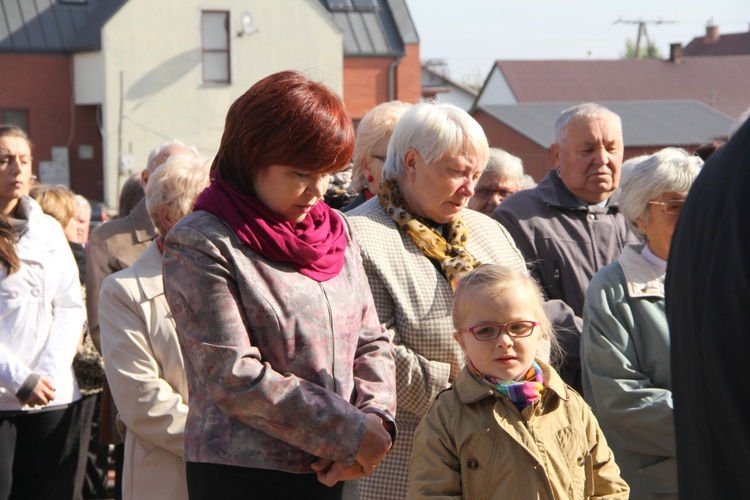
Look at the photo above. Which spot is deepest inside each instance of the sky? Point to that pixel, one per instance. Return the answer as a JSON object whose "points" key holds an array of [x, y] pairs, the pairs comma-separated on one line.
{"points": [[469, 35]]}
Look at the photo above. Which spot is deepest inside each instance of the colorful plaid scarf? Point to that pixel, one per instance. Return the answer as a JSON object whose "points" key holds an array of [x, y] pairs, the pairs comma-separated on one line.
{"points": [[454, 259], [520, 393]]}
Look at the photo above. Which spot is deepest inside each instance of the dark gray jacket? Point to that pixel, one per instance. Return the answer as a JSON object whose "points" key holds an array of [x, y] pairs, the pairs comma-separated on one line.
{"points": [[564, 243]]}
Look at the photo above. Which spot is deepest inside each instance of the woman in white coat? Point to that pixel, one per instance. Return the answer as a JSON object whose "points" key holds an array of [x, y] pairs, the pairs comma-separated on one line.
{"points": [[142, 356], [41, 323]]}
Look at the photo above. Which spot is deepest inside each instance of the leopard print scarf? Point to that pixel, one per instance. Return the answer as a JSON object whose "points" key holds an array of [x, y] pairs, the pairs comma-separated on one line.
{"points": [[454, 260]]}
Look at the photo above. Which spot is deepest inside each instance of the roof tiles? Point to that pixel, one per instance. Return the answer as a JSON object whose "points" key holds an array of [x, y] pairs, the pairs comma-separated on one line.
{"points": [[720, 82]]}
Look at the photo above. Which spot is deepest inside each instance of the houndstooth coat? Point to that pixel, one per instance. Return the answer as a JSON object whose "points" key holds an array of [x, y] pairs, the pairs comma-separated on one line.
{"points": [[414, 303]]}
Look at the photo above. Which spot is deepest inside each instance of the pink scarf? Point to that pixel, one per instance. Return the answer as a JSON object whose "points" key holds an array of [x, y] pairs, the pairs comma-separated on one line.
{"points": [[315, 247]]}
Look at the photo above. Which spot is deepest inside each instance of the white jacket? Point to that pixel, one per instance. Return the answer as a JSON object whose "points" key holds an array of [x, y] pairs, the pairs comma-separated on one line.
{"points": [[41, 312]]}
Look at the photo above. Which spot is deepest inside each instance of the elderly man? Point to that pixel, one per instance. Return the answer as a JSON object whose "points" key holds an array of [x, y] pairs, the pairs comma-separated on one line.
{"points": [[565, 227], [117, 244]]}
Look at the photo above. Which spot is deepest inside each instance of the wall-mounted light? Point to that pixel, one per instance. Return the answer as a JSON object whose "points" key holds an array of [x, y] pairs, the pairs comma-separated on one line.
{"points": [[246, 25]]}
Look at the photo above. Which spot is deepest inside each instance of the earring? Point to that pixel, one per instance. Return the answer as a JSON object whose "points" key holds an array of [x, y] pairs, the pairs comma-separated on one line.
{"points": [[370, 178]]}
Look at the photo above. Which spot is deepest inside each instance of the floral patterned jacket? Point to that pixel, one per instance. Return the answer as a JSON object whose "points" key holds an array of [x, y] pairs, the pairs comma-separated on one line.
{"points": [[281, 368]]}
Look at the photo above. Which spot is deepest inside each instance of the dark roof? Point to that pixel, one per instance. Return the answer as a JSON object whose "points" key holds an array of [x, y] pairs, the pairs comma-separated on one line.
{"points": [[720, 82], [732, 44], [644, 123], [53, 26], [373, 27]]}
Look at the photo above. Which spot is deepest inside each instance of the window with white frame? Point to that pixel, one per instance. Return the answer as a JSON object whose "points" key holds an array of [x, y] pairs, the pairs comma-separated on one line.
{"points": [[215, 46]]}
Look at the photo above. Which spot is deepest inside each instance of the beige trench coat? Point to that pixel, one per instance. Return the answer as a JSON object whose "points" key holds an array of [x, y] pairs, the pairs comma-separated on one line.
{"points": [[146, 375], [474, 443]]}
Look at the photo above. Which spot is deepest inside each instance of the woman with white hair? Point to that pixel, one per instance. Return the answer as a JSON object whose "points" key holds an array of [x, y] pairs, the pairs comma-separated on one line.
{"points": [[502, 177], [370, 146], [143, 361], [417, 241], [625, 345]]}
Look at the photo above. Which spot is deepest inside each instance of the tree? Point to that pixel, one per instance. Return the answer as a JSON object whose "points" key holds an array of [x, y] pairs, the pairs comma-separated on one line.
{"points": [[651, 51]]}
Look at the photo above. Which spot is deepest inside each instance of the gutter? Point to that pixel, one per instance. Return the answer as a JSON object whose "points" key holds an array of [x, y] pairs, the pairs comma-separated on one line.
{"points": [[392, 77]]}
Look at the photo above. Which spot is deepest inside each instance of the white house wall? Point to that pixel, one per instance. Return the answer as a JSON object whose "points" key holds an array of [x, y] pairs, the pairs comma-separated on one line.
{"points": [[153, 48], [456, 96], [496, 91], [88, 86]]}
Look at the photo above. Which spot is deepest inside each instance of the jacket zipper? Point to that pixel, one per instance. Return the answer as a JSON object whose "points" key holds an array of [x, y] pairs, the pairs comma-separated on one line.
{"points": [[333, 337]]}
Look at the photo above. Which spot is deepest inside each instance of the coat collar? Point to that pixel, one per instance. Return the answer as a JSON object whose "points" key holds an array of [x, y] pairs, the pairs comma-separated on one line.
{"points": [[553, 192], [641, 278], [470, 389], [143, 227], [149, 273]]}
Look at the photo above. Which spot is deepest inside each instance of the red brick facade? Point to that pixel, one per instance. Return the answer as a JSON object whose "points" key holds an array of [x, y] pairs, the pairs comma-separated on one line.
{"points": [[366, 81], [43, 85], [536, 160], [409, 77]]}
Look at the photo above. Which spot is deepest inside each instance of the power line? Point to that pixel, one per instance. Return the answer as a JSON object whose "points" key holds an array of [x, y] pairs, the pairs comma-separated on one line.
{"points": [[642, 33]]}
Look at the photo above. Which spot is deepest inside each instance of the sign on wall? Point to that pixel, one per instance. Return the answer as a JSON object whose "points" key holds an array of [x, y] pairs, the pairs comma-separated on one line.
{"points": [[56, 171]]}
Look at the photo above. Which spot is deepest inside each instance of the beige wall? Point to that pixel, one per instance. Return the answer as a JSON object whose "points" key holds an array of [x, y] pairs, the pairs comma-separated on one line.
{"points": [[153, 48]]}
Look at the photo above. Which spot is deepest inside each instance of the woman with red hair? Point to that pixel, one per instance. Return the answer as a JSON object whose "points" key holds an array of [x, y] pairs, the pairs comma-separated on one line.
{"points": [[291, 378]]}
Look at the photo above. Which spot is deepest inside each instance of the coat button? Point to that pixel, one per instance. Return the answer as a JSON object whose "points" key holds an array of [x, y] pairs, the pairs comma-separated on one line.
{"points": [[35, 292], [581, 462], [592, 217], [472, 464]]}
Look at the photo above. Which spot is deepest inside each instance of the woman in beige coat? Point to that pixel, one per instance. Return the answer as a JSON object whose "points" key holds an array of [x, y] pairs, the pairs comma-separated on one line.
{"points": [[142, 357]]}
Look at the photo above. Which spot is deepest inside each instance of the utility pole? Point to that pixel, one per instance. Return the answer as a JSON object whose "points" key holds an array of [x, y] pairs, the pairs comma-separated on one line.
{"points": [[642, 33]]}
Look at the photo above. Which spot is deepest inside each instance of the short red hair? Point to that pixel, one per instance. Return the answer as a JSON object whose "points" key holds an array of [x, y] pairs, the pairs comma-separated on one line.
{"points": [[284, 119]]}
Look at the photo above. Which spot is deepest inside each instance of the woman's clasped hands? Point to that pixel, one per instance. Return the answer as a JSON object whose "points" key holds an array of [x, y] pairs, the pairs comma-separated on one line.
{"points": [[375, 444], [42, 394]]}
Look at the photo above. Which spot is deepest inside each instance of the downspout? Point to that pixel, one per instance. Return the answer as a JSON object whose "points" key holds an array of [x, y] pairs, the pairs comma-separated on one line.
{"points": [[392, 77]]}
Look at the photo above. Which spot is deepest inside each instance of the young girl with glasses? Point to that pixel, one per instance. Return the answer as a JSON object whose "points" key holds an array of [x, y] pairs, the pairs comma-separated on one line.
{"points": [[509, 426]]}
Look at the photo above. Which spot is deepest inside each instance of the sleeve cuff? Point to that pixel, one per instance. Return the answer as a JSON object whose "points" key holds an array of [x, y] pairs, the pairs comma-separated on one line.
{"points": [[27, 387]]}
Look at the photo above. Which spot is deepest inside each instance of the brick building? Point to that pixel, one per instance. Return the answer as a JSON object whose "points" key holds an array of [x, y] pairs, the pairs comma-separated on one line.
{"points": [[99, 83], [381, 52]]}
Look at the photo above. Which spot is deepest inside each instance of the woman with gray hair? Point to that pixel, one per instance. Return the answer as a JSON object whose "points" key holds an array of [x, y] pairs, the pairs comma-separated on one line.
{"points": [[370, 146], [143, 361], [625, 346], [417, 241], [502, 177]]}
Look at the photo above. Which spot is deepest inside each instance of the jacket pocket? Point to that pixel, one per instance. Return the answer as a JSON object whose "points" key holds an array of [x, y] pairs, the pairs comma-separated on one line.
{"points": [[549, 273], [577, 462]]}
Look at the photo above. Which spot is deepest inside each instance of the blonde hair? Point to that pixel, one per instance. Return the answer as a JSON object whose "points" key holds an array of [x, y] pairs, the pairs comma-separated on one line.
{"points": [[176, 185], [57, 201], [491, 281], [374, 129]]}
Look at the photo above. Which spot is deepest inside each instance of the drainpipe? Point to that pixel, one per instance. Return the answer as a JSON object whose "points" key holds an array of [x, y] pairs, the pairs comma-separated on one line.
{"points": [[392, 77]]}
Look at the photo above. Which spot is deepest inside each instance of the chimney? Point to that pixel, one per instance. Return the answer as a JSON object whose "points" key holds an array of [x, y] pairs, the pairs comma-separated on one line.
{"points": [[675, 52], [712, 34]]}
